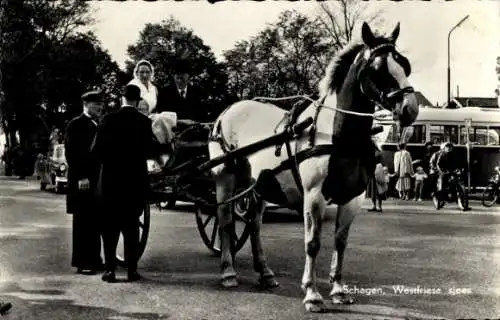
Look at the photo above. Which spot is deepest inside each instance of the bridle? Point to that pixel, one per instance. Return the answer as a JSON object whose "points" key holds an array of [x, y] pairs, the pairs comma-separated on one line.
{"points": [[381, 99]]}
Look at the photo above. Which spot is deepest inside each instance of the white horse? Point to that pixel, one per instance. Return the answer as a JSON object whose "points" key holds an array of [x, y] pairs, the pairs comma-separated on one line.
{"points": [[358, 79]]}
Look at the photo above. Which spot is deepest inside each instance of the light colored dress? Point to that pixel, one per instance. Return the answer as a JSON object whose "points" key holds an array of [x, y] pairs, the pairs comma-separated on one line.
{"points": [[148, 94], [403, 168]]}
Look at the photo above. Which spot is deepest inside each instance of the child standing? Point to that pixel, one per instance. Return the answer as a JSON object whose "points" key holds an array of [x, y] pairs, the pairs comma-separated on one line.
{"points": [[420, 177], [382, 178]]}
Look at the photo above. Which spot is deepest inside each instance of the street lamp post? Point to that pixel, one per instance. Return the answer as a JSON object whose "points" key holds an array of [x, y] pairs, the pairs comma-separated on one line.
{"points": [[449, 34]]}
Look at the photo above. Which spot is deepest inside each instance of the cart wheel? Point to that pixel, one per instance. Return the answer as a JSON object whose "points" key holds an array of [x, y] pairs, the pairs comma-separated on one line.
{"points": [[490, 195], [208, 224], [144, 223]]}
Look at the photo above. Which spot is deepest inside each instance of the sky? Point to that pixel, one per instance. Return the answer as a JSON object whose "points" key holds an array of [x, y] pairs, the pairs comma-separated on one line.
{"points": [[423, 37]]}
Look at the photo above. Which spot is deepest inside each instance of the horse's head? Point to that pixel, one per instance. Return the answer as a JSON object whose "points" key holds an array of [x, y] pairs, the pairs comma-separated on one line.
{"points": [[382, 75]]}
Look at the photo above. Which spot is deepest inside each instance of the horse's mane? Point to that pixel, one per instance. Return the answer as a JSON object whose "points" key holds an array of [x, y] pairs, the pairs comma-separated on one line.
{"points": [[338, 67]]}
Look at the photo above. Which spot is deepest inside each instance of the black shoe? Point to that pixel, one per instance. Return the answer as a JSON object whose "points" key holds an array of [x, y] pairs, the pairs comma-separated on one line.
{"points": [[134, 276], [4, 307], [109, 276], [85, 271]]}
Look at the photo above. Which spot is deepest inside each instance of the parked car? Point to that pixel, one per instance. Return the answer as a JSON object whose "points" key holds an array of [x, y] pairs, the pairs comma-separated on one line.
{"points": [[58, 168]]}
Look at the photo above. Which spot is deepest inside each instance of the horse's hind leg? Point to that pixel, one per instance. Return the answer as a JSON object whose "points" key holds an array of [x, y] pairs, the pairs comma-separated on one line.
{"points": [[225, 186], [259, 259], [314, 208], [345, 217]]}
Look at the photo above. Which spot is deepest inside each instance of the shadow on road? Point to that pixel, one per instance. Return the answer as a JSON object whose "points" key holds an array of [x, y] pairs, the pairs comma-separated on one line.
{"points": [[64, 309], [272, 214]]}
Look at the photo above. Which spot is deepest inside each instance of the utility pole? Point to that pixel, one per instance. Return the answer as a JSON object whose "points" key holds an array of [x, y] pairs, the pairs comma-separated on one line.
{"points": [[449, 72]]}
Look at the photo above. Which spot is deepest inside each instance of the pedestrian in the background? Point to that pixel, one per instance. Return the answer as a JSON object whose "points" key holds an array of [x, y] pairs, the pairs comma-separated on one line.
{"points": [[378, 184], [403, 168], [123, 144], [433, 170], [82, 180], [425, 164], [420, 177], [41, 171]]}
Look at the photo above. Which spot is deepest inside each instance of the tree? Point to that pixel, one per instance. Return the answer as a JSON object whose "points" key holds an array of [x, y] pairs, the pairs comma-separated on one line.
{"points": [[45, 59], [286, 58], [340, 18], [165, 44]]}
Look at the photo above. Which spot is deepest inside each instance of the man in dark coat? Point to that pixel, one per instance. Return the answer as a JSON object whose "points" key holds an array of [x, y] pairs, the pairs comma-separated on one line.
{"points": [[82, 179], [183, 98], [123, 143]]}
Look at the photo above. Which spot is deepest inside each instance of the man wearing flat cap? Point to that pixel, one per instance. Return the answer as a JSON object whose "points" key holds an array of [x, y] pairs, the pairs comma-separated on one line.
{"points": [[123, 143], [82, 179]]}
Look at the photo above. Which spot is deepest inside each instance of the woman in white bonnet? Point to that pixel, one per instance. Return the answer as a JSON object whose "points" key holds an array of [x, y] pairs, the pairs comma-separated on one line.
{"points": [[143, 75]]}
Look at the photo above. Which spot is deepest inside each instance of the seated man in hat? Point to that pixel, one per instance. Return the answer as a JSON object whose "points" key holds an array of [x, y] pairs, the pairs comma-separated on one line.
{"points": [[183, 98]]}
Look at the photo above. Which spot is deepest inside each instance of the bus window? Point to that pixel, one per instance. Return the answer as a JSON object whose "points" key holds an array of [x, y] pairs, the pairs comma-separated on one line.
{"points": [[440, 134], [493, 136], [437, 134], [393, 134], [418, 135], [415, 134], [482, 136], [463, 135]]}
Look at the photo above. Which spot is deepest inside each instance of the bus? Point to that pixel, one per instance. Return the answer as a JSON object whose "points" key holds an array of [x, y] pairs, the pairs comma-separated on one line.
{"points": [[443, 125]]}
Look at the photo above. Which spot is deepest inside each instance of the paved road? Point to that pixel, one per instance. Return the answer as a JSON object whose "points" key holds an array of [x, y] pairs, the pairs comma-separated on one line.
{"points": [[410, 244]]}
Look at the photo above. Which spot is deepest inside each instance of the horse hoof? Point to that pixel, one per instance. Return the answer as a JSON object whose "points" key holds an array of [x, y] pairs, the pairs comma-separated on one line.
{"points": [[268, 282], [342, 299], [230, 282], [315, 306]]}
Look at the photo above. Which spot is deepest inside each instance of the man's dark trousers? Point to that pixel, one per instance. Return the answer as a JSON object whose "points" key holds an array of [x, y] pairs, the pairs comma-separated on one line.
{"points": [[119, 219]]}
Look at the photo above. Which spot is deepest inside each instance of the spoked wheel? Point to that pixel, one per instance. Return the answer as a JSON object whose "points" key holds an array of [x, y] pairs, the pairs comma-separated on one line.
{"points": [[208, 224], [490, 195], [144, 223]]}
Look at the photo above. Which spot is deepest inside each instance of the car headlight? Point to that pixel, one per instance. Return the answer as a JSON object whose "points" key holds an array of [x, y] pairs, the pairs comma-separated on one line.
{"points": [[62, 167]]}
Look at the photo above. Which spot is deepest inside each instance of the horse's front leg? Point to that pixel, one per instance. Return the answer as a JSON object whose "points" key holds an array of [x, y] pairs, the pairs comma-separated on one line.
{"points": [[266, 279], [314, 208], [345, 217], [225, 185]]}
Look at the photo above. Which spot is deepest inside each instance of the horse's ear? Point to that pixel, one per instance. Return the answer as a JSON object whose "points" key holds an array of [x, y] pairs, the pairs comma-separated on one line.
{"points": [[367, 35], [395, 34]]}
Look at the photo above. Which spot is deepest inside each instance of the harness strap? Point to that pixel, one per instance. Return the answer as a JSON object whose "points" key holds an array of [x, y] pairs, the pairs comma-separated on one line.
{"points": [[218, 137], [295, 167], [298, 158]]}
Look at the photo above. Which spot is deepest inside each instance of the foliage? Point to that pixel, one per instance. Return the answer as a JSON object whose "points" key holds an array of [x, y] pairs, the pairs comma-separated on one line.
{"points": [[165, 44], [289, 57], [286, 58], [45, 59], [339, 20]]}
